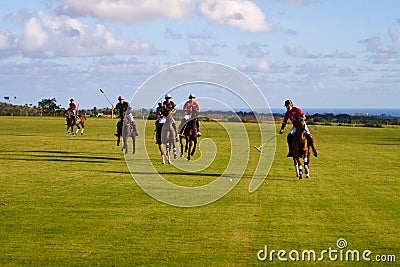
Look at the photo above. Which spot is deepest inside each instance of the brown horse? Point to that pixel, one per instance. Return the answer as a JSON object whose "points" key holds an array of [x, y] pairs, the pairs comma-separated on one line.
{"points": [[78, 122], [129, 130], [189, 133], [301, 148]]}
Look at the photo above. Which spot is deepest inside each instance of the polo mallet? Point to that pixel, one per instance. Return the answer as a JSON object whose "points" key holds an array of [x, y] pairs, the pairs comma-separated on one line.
{"points": [[259, 147], [112, 106]]}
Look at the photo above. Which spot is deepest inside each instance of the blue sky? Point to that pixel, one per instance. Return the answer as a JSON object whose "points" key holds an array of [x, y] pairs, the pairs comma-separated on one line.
{"points": [[334, 54]]}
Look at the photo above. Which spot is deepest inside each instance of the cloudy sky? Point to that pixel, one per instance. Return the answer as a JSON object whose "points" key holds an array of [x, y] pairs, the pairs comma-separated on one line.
{"points": [[320, 53]]}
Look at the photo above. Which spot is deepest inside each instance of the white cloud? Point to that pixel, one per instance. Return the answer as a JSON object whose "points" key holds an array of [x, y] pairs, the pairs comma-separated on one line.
{"points": [[301, 2], [338, 54], [263, 66], [63, 36], [200, 48], [35, 38], [253, 50], [299, 52], [7, 40], [129, 11], [242, 14], [395, 36], [381, 53], [312, 69]]}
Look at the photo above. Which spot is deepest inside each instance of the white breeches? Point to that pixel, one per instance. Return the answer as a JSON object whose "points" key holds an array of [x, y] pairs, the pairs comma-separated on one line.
{"points": [[293, 131]]}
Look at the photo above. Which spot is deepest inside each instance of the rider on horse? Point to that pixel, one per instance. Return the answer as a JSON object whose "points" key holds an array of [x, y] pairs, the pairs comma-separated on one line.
{"points": [[120, 107], [292, 113], [190, 106], [72, 110], [168, 109]]}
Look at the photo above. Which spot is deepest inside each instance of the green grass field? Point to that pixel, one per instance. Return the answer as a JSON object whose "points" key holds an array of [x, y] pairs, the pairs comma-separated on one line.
{"points": [[68, 201]]}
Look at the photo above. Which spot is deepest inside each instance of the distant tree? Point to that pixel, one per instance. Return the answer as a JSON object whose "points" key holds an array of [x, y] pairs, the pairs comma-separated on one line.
{"points": [[48, 106]]}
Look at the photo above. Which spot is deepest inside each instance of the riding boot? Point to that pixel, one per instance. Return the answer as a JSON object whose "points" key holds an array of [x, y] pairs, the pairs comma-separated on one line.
{"points": [[310, 139], [290, 144]]}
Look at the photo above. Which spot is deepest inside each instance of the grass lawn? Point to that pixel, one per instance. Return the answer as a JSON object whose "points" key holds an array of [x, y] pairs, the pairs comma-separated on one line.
{"points": [[68, 201]]}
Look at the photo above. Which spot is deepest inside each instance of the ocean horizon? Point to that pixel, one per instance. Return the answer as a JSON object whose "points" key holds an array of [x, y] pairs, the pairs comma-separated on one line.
{"points": [[394, 112]]}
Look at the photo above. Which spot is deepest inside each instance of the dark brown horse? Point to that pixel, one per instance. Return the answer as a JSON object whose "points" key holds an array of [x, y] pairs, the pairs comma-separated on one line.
{"points": [[129, 130], [301, 148], [189, 134], [78, 122]]}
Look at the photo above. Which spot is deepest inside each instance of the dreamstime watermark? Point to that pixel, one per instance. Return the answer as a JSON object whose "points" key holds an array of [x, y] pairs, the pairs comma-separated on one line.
{"points": [[338, 253], [181, 78]]}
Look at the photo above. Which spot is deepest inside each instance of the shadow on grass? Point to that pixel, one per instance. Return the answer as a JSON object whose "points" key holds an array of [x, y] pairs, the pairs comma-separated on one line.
{"points": [[389, 141], [52, 155]]}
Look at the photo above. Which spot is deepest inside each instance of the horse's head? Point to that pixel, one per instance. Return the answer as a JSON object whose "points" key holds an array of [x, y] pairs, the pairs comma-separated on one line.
{"points": [[66, 113], [299, 123], [195, 113]]}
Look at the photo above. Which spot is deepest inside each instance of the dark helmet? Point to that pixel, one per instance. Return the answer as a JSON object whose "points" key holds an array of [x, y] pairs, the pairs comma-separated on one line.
{"points": [[288, 102], [192, 96], [71, 100], [120, 97]]}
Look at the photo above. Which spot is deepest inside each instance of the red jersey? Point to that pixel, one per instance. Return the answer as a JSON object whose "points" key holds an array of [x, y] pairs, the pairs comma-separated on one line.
{"points": [[189, 106], [293, 113], [72, 106]]}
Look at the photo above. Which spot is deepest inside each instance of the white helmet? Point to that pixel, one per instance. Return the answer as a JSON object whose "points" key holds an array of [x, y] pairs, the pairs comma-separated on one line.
{"points": [[192, 96], [168, 96], [120, 97]]}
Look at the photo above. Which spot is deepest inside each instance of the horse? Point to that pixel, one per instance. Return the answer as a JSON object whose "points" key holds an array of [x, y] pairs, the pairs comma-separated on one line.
{"points": [[79, 121], [129, 130], [189, 134], [301, 148], [166, 134]]}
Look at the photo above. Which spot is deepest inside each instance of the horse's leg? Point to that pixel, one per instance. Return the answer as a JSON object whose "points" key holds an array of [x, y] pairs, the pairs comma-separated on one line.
{"points": [[181, 141], [187, 143], [167, 149], [296, 166], [133, 144], [83, 128], [190, 147], [161, 153], [307, 162], [78, 128], [300, 170], [194, 145], [306, 168], [125, 144]]}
